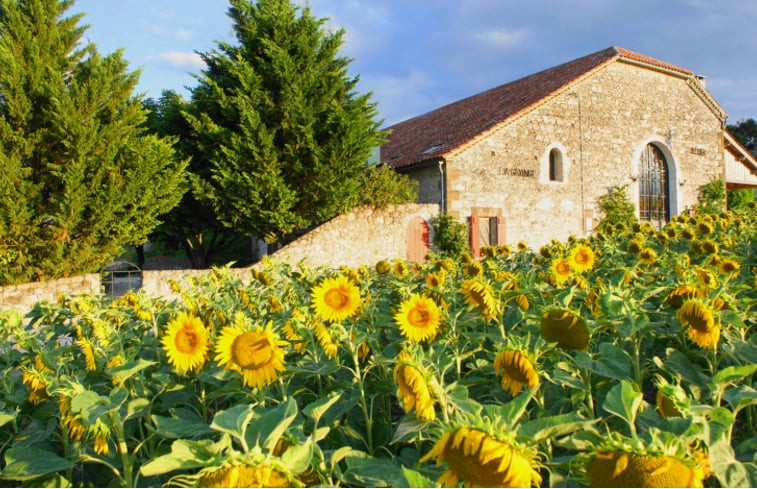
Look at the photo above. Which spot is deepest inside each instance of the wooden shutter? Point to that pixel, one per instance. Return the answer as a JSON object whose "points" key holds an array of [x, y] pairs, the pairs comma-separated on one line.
{"points": [[501, 234], [475, 238]]}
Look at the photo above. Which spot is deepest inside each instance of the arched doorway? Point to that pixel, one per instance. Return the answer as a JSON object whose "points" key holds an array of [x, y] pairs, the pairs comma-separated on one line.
{"points": [[654, 188]]}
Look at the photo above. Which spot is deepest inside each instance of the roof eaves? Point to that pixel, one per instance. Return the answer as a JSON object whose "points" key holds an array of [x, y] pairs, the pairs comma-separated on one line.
{"points": [[746, 156]]}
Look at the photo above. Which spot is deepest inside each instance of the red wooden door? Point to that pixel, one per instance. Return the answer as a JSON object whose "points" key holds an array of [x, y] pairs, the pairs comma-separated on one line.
{"points": [[417, 240]]}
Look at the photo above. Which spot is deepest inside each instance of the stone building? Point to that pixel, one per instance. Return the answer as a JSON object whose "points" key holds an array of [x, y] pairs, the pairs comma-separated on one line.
{"points": [[526, 161]]}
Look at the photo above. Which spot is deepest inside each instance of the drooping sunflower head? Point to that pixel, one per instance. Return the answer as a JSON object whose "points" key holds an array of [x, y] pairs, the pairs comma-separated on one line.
{"points": [[561, 270], [473, 269], [326, 339], [699, 321], [242, 475], [516, 369], [704, 228], [418, 318], [582, 258], [186, 343], [400, 268], [635, 245], [710, 247], [413, 388], [257, 354], [681, 293], [568, 330], [623, 469], [706, 277], [522, 246], [480, 295], [504, 249], [383, 267], [671, 399], [336, 299], [480, 459]]}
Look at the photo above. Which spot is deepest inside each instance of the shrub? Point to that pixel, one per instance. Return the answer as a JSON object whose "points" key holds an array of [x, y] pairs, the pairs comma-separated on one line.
{"points": [[450, 235], [616, 208]]}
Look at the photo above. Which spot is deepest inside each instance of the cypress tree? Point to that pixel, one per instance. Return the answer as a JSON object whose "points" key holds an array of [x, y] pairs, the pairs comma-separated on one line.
{"points": [[279, 123], [79, 178]]}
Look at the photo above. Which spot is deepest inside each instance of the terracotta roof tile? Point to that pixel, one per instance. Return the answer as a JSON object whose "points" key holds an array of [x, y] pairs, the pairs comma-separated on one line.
{"points": [[440, 131]]}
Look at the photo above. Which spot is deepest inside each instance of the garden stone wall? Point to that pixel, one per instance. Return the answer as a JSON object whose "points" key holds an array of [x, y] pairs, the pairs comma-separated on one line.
{"points": [[363, 236], [22, 297]]}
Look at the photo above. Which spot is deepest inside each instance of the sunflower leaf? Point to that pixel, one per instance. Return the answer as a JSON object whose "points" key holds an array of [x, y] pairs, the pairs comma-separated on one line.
{"points": [[266, 429], [416, 479], [297, 458], [185, 454], [624, 401], [316, 409], [731, 374], [27, 463], [234, 420], [553, 426]]}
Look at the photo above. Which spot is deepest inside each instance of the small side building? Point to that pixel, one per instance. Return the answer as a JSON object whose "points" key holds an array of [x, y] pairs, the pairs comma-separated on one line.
{"points": [[527, 161]]}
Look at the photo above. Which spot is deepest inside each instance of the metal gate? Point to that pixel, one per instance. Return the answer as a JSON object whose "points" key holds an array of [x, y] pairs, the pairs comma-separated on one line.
{"points": [[120, 277], [654, 201]]}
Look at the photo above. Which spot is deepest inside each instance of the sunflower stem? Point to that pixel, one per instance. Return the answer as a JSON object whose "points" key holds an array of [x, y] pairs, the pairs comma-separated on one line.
{"points": [[123, 451], [363, 400]]}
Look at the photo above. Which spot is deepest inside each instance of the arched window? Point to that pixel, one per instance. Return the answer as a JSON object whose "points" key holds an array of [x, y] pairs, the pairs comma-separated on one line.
{"points": [[555, 165], [654, 191]]}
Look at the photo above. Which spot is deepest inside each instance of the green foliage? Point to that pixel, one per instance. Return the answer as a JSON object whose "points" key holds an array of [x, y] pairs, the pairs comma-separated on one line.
{"points": [[277, 121], [617, 208], [740, 198], [192, 226], [450, 235], [383, 186], [711, 197], [745, 131], [78, 178]]}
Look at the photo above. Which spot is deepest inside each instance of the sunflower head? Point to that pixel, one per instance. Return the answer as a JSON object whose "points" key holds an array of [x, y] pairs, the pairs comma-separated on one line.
{"points": [[623, 469], [699, 321], [647, 256], [400, 268], [242, 475], [561, 270], [257, 354], [435, 279], [186, 343], [727, 266], [418, 318], [480, 459], [480, 295], [522, 246], [705, 277], [636, 245], [681, 293], [336, 299], [517, 370], [568, 330], [582, 258], [473, 269], [383, 267], [413, 388]]}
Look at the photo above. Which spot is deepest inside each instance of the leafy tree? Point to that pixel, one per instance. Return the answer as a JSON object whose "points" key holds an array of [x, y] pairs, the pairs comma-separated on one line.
{"points": [[711, 197], [745, 131], [79, 179], [278, 123], [192, 225], [617, 208], [383, 186], [450, 235], [740, 198]]}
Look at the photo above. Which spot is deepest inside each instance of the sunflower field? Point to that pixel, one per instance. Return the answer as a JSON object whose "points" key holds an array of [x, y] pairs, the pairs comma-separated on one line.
{"points": [[625, 359]]}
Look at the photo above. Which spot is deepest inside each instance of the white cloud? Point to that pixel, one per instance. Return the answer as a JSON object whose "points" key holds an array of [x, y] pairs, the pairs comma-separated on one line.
{"points": [[182, 59], [501, 37]]}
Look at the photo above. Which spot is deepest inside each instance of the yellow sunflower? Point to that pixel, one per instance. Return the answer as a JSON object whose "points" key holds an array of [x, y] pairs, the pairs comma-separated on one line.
{"points": [[567, 329], [665, 406], [336, 299], [678, 295], [243, 476], [413, 388], [561, 270], [706, 277], [480, 294], [699, 321], [516, 370], [419, 318], [474, 269], [582, 258], [383, 267], [435, 279], [326, 340], [481, 460], [621, 469], [726, 266], [186, 343], [256, 354], [648, 256]]}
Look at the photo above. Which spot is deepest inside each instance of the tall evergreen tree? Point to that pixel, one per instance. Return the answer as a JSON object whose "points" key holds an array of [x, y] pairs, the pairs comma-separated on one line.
{"points": [[279, 123], [192, 225], [79, 178]]}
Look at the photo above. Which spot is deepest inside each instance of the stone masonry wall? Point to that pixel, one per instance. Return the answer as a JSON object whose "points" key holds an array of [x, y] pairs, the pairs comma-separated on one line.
{"points": [[361, 237], [600, 125], [22, 297]]}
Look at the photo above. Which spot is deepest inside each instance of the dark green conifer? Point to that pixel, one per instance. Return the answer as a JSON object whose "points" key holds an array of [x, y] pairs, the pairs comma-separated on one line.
{"points": [[79, 178], [278, 121]]}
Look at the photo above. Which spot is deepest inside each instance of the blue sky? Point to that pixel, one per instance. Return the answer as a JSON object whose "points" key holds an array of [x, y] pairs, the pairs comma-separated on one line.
{"points": [[417, 55]]}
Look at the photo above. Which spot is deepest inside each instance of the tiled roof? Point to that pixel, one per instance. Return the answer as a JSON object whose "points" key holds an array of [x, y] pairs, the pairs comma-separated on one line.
{"points": [[438, 132]]}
